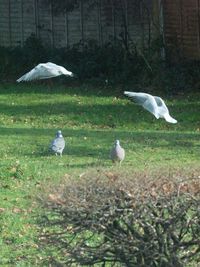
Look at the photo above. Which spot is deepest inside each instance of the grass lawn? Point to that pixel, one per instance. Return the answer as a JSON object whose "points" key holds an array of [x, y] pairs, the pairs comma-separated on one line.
{"points": [[90, 119]]}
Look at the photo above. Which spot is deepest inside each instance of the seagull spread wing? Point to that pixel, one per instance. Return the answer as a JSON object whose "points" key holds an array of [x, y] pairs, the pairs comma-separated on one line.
{"points": [[50, 64], [139, 98], [39, 72], [163, 110], [59, 69], [145, 100], [153, 104], [29, 76], [47, 71], [44, 71], [161, 104]]}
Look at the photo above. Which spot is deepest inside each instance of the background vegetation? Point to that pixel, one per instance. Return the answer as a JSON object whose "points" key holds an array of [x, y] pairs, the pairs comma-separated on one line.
{"points": [[111, 63]]}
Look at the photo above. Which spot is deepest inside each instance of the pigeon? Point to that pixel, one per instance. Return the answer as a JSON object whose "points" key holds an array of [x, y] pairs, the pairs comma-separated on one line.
{"points": [[153, 104], [58, 144], [117, 153], [45, 71]]}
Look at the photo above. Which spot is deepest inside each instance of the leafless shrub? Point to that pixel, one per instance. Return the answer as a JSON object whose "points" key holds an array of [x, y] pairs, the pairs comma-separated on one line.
{"points": [[126, 219]]}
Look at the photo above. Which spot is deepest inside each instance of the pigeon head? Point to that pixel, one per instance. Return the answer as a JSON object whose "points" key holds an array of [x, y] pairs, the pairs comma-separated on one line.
{"points": [[59, 133], [117, 143]]}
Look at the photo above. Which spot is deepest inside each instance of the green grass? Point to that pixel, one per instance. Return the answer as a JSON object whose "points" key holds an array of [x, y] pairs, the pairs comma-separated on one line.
{"points": [[90, 119]]}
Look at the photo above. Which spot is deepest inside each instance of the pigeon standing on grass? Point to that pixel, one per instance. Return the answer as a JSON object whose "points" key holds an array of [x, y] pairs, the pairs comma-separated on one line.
{"points": [[45, 71], [58, 144], [117, 153], [153, 104]]}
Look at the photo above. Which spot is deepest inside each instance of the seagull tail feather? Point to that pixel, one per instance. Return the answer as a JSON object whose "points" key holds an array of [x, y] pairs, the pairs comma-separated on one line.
{"points": [[168, 118]]}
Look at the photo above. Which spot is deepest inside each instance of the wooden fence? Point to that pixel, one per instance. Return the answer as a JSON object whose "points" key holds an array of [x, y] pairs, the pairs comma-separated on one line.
{"points": [[104, 21], [182, 27]]}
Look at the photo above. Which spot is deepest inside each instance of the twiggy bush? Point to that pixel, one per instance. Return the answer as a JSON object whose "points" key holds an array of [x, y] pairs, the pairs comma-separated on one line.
{"points": [[125, 220]]}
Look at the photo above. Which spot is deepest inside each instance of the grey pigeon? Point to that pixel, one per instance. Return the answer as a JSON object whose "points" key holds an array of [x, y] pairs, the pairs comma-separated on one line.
{"points": [[58, 144], [45, 71], [153, 104], [117, 153]]}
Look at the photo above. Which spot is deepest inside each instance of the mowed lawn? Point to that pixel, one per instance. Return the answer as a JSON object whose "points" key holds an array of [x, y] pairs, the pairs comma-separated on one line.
{"points": [[91, 118]]}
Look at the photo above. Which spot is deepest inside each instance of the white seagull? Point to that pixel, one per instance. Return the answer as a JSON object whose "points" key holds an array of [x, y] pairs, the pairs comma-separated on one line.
{"points": [[153, 104], [45, 71]]}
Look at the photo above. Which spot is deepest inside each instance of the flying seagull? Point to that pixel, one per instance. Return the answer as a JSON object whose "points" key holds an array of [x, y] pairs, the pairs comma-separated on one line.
{"points": [[58, 144], [153, 104], [117, 153], [45, 71]]}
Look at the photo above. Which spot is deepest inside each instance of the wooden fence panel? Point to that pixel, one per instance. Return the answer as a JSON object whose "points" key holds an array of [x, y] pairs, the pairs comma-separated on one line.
{"points": [[59, 30], [45, 26], [5, 26], [103, 21], [16, 23], [182, 27], [74, 27], [90, 22], [190, 28], [107, 21], [29, 26]]}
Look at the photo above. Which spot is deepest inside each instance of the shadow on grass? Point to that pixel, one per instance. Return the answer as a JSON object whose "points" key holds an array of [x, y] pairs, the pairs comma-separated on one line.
{"points": [[72, 150], [54, 86], [96, 164], [97, 143], [62, 108], [97, 114], [111, 115]]}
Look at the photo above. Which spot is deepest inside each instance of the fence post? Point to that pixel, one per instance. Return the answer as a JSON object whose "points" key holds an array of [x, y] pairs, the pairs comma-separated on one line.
{"points": [[181, 24], [66, 28], [9, 24], [161, 27], [198, 17], [142, 24], [99, 22], [22, 23], [36, 17], [81, 21], [158, 19], [51, 24], [113, 20], [126, 26]]}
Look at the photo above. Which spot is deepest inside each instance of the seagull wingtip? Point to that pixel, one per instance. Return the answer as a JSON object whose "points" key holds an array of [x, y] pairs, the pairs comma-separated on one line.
{"points": [[126, 92], [171, 120]]}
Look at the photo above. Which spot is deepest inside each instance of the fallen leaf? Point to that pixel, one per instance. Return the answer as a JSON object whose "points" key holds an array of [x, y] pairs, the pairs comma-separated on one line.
{"points": [[17, 210], [56, 199]]}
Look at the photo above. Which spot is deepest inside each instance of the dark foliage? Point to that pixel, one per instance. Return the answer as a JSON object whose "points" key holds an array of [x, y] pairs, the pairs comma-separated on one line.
{"points": [[125, 221], [111, 63], [14, 61]]}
